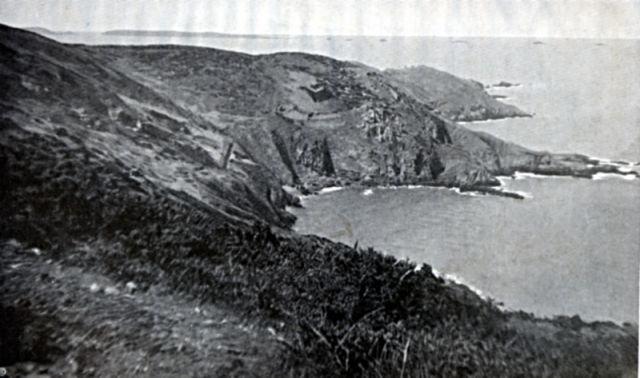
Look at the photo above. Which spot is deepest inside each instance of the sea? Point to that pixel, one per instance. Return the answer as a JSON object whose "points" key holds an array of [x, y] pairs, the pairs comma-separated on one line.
{"points": [[572, 246]]}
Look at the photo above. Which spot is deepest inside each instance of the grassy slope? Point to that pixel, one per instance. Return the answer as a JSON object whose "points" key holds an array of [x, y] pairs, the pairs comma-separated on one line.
{"points": [[179, 204], [457, 99]]}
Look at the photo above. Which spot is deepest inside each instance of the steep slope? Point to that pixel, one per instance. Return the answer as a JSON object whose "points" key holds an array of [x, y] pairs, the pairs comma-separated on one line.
{"points": [[60, 101], [314, 121], [297, 112], [143, 231]]}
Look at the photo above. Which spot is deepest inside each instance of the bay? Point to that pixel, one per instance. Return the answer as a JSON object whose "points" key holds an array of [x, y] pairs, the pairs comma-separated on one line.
{"points": [[571, 247]]}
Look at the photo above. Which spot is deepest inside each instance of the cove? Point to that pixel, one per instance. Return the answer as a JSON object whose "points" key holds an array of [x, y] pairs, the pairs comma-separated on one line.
{"points": [[569, 248]]}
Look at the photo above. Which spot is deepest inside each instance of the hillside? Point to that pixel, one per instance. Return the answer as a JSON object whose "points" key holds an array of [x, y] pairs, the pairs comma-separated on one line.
{"points": [[327, 122], [456, 99], [143, 229]]}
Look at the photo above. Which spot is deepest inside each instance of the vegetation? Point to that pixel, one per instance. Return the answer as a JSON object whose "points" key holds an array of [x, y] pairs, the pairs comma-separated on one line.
{"points": [[335, 310]]}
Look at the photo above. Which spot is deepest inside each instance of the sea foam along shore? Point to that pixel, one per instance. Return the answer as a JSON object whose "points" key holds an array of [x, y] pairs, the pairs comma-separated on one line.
{"points": [[604, 176]]}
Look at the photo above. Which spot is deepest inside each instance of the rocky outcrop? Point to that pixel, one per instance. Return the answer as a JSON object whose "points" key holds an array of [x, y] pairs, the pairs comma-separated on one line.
{"points": [[229, 129]]}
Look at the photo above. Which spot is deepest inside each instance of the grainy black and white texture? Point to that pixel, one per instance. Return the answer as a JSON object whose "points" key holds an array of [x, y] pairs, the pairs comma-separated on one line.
{"points": [[144, 232]]}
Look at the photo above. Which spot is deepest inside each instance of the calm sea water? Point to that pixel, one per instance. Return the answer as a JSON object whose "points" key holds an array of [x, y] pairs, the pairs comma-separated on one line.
{"points": [[573, 246]]}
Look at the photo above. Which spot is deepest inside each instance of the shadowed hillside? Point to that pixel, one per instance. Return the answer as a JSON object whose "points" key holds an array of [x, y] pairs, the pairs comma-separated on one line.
{"points": [[143, 229]]}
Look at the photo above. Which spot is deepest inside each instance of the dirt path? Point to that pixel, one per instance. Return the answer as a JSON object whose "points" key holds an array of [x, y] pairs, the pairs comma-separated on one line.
{"points": [[71, 322]]}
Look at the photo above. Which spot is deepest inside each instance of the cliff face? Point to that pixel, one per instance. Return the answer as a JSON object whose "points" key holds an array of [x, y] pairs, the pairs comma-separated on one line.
{"points": [[228, 130], [311, 120]]}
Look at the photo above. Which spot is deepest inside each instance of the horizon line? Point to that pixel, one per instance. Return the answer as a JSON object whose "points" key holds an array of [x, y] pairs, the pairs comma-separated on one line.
{"points": [[50, 31]]}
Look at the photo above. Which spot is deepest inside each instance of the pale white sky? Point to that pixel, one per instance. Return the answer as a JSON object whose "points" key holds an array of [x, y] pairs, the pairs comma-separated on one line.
{"points": [[510, 18]]}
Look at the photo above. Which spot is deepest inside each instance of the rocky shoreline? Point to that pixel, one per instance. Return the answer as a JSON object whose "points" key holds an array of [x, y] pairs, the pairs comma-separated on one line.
{"points": [[144, 231]]}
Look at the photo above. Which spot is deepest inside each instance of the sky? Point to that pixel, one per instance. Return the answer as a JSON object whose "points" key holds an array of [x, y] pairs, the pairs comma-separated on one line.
{"points": [[500, 18]]}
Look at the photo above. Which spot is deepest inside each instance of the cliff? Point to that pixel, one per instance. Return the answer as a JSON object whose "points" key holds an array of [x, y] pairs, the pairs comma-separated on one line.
{"points": [[143, 229], [294, 113]]}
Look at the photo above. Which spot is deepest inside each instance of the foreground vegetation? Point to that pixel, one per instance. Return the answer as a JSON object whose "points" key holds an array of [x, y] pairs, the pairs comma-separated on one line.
{"points": [[332, 309]]}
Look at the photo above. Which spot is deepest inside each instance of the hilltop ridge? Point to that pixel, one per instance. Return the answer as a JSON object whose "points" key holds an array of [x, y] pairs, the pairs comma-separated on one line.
{"points": [[376, 127], [456, 99]]}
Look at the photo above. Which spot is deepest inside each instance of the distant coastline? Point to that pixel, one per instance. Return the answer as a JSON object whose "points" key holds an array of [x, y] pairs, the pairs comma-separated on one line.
{"points": [[178, 34]]}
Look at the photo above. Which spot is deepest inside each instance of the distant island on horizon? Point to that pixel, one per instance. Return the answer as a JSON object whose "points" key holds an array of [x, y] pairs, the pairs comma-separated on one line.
{"points": [[211, 34], [153, 33]]}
